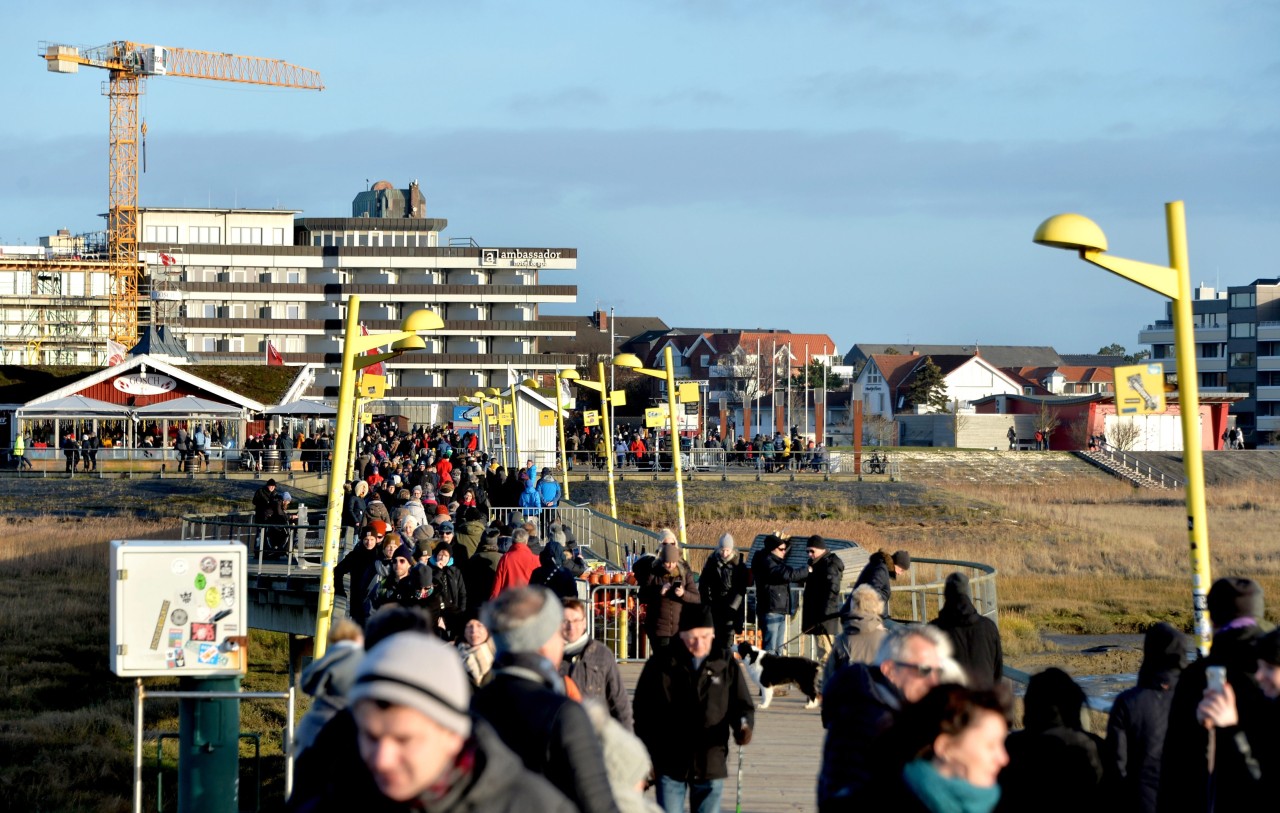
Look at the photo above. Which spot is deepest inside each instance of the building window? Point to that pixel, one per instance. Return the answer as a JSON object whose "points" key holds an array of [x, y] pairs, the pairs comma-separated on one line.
{"points": [[160, 234], [1242, 360], [364, 240], [1244, 330], [278, 237], [294, 277], [293, 312], [209, 344], [1213, 380], [1248, 300], [328, 240], [210, 311]]}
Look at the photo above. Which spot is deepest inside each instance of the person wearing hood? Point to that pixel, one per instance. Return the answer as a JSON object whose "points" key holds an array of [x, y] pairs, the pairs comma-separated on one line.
{"points": [[552, 574], [1139, 720], [450, 587], [481, 569], [1054, 764], [863, 631], [526, 699], [328, 680], [530, 500], [549, 494], [1236, 608], [406, 584], [724, 589], [975, 639], [591, 665], [517, 564]]}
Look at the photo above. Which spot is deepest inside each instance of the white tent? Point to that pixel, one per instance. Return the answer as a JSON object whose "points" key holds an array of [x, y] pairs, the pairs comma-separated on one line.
{"points": [[74, 406], [187, 407]]}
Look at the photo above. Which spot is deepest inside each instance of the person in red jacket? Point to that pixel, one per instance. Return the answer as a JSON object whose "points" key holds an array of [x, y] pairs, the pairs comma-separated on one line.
{"points": [[516, 565]]}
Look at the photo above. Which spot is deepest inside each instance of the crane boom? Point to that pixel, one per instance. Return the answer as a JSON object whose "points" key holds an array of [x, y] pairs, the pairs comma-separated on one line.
{"points": [[129, 64]]}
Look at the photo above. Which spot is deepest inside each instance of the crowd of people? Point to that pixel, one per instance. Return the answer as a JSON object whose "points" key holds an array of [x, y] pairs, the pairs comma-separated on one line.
{"points": [[466, 678]]}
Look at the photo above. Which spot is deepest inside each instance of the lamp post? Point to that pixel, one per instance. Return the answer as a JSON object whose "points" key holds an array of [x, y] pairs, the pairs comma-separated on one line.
{"points": [[1078, 233], [632, 362], [353, 345], [564, 452], [601, 386]]}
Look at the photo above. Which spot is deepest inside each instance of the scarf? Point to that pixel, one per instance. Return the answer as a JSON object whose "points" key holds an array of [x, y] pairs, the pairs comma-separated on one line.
{"points": [[574, 648], [942, 794]]}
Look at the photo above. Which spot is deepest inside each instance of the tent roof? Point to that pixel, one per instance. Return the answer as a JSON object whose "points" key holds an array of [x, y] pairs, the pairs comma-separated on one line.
{"points": [[75, 406], [303, 407], [188, 405]]}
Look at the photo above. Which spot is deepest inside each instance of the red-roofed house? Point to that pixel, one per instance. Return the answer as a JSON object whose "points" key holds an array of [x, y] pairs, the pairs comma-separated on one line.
{"points": [[885, 380]]}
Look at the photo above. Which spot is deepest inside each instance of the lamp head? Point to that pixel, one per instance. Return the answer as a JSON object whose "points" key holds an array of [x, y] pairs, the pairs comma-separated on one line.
{"points": [[421, 320], [530, 383], [569, 375], [409, 343], [629, 360], [493, 392], [1071, 231]]}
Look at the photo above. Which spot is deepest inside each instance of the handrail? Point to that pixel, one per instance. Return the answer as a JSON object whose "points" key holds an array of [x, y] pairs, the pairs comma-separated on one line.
{"points": [[1136, 464]]}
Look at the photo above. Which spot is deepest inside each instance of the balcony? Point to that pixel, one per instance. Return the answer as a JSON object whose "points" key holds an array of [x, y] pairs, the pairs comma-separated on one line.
{"points": [[1269, 393], [1269, 330], [1268, 423], [1268, 362]]}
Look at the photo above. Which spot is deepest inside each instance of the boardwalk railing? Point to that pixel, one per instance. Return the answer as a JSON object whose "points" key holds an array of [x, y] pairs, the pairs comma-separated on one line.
{"points": [[281, 548], [158, 462]]}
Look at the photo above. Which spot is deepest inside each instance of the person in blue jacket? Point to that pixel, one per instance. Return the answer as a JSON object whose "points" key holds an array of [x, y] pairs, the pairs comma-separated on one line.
{"points": [[549, 493], [530, 501]]}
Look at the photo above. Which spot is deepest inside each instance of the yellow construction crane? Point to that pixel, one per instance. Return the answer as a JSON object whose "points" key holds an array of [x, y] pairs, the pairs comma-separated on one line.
{"points": [[130, 63]]}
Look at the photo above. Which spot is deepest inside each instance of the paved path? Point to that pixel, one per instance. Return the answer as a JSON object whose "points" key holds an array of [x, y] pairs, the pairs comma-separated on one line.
{"points": [[780, 766]]}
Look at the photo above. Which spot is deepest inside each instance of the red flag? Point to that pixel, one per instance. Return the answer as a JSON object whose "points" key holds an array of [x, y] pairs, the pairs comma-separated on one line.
{"points": [[166, 259], [274, 359], [372, 369]]}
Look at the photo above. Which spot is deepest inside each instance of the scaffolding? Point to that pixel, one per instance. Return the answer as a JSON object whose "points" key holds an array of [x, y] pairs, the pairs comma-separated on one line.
{"points": [[50, 312]]}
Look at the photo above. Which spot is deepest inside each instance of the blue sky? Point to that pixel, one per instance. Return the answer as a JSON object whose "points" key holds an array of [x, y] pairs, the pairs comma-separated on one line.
{"points": [[872, 170]]}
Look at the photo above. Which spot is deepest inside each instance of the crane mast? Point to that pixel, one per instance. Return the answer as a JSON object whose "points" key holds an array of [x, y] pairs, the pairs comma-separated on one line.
{"points": [[128, 65]]}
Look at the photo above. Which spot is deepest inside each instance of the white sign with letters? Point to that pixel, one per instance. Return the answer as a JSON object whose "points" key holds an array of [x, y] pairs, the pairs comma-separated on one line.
{"points": [[145, 384]]}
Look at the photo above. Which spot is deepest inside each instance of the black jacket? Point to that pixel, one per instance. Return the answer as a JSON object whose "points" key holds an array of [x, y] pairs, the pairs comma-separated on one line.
{"points": [[859, 706], [332, 778], [452, 590], [879, 574], [356, 563], [552, 574], [773, 579], [550, 733], [1139, 720], [1184, 776], [353, 508], [822, 597], [685, 716], [723, 587], [975, 640], [479, 573], [1054, 765]]}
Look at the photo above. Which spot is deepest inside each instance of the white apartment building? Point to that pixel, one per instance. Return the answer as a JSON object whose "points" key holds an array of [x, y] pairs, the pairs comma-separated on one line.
{"points": [[246, 277]]}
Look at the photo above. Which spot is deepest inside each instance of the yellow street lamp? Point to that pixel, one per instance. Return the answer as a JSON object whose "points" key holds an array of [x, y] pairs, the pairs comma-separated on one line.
{"points": [[601, 386], [1079, 233], [564, 453], [353, 346], [632, 362]]}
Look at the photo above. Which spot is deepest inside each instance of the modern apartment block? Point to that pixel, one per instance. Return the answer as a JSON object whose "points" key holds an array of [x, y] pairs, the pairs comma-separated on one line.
{"points": [[227, 281], [1237, 338]]}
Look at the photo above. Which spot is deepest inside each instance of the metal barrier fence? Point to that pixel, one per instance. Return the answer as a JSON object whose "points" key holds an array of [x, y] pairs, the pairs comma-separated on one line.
{"points": [[617, 615], [609, 539], [727, 461], [147, 461], [282, 548]]}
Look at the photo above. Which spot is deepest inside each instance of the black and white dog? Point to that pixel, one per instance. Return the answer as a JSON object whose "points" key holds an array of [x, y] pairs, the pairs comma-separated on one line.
{"points": [[768, 671]]}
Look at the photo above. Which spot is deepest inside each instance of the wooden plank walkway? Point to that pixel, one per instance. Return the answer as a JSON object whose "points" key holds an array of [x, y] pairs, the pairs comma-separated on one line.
{"points": [[780, 766]]}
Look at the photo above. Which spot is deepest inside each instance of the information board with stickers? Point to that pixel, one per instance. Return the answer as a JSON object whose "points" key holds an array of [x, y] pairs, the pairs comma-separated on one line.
{"points": [[178, 608]]}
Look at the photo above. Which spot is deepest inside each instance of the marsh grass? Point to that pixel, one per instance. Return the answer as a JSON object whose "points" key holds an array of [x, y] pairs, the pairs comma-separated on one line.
{"points": [[66, 722]]}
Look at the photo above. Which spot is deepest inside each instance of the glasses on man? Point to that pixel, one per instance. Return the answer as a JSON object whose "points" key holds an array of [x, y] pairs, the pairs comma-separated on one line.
{"points": [[919, 669]]}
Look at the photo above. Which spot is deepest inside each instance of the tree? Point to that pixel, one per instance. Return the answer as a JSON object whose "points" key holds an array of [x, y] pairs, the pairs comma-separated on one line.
{"points": [[929, 389], [1124, 434], [1115, 349], [959, 420], [1047, 420], [817, 371]]}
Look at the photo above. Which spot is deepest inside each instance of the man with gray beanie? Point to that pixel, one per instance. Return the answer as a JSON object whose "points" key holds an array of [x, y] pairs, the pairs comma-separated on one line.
{"points": [[526, 699], [407, 742], [1203, 767]]}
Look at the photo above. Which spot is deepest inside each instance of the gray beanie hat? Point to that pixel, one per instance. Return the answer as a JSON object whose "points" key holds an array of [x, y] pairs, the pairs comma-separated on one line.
{"points": [[726, 540], [418, 671]]}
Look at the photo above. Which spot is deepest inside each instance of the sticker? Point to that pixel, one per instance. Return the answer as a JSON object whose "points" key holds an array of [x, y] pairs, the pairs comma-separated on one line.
{"points": [[223, 660], [179, 617], [175, 638], [204, 632], [175, 658], [208, 564], [213, 597], [220, 614], [164, 614], [228, 594], [202, 613], [201, 581], [225, 568], [178, 566], [207, 655], [185, 596]]}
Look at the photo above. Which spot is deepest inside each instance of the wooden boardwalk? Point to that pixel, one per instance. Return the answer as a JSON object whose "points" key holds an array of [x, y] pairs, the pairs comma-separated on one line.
{"points": [[780, 766]]}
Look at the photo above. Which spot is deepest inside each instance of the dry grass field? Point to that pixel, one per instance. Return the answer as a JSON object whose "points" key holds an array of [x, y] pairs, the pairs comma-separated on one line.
{"points": [[66, 735]]}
